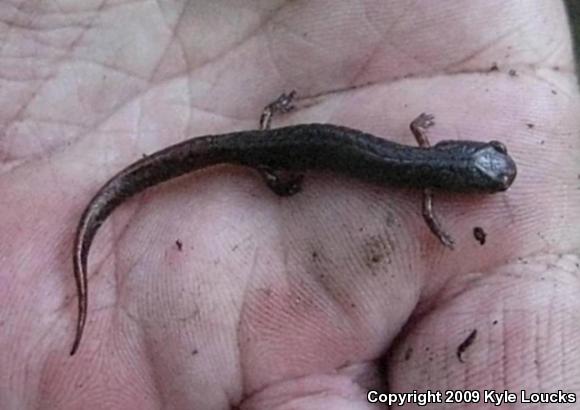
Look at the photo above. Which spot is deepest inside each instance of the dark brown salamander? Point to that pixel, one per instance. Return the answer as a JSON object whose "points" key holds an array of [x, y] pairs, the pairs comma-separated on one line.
{"points": [[459, 166]]}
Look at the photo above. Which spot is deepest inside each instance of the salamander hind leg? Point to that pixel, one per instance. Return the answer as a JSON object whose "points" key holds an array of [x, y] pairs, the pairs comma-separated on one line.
{"points": [[419, 128], [282, 104], [281, 182]]}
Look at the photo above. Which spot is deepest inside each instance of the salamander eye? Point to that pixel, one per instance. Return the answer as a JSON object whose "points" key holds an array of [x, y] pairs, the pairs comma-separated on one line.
{"points": [[498, 146]]}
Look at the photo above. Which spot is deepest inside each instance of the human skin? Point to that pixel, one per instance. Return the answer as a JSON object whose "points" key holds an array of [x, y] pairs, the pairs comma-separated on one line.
{"points": [[279, 303]]}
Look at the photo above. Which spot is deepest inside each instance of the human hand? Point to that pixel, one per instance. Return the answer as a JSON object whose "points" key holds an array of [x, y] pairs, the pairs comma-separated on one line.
{"points": [[303, 302]]}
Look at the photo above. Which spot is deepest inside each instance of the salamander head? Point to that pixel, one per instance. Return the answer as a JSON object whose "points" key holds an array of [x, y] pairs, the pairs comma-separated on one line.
{"points": [[486, 166], [497, 170]]}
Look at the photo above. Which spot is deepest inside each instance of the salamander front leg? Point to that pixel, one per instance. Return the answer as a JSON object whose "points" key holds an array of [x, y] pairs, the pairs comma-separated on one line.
{"points": [[281, 182], [419, 128], [432, 222]]}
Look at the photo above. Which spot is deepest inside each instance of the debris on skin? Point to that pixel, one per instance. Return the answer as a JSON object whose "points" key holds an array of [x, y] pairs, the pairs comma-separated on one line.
{"points": [[480, 235], [179, 245], [465, 344], [513, 73]]}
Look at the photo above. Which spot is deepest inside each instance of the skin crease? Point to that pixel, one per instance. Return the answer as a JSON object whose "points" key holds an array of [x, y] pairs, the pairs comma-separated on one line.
{"points": [[284, 303]]}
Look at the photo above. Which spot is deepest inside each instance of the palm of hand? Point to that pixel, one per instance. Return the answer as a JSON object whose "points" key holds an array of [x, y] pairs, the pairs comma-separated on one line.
{"points": [[272, 301]]}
